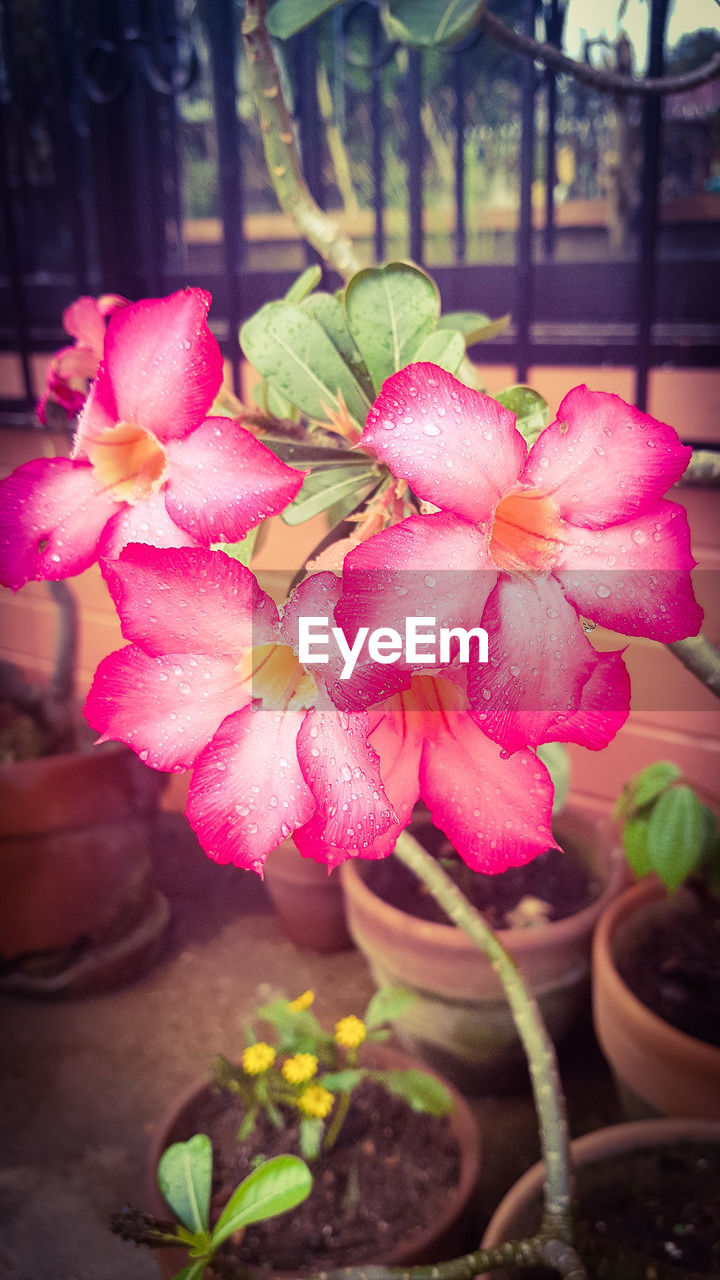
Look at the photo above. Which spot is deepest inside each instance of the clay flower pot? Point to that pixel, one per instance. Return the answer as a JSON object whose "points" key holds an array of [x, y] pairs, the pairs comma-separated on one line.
{"points": [[518, 1214], [309, 903], [75, 866], [658, 1069], [445, 1233], [460, 1022]]}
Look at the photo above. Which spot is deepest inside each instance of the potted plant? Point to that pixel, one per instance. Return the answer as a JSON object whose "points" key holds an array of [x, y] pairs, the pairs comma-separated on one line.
{"points": [[655, 958]]}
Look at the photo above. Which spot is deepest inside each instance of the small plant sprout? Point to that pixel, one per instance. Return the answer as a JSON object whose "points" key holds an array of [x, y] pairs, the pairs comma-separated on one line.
{"points": [[185, 1179], [312, 1073], [668, 830]]}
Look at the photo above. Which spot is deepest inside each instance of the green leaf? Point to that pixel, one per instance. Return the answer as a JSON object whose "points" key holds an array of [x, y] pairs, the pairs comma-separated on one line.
{"points": [[342, 1081], [195, 1271], [531, 411], [184, 1176], [651, 782], [327, 309], [389, 310], [323, 488], [296, 453], [421, 1091], [305, 283], [292, 350], [635, 842], [711, 851], [286, 17], [248, 1123], [554, 756], [430, 22], [444, 347], [676, 830], [387, 1003], [242, 550], [475, 326], [312, 1131], [273, 1188]]}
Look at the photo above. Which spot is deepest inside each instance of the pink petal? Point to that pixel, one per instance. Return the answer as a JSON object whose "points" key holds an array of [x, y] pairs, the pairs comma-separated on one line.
{"points": [[189, 600], [343, 773], [456, 448], [146, 521], [495, 811], [84, 321], [603, 461], [99, 415], [634, 578], [222, 482], [51, 518], [74, 362], [164, 364], [604, 706], [539, 660], [247, 793], [166, 708]]}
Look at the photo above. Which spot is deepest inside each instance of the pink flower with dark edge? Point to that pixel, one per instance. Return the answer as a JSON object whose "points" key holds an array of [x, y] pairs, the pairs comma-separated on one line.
{"points": [[72, 369], [525, 542], [210, 681], [148, 464]]}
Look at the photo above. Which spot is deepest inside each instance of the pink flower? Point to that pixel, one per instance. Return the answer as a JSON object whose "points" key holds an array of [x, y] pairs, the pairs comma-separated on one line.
{"points": [[148, 464], [522, 543], [211, 682], [72, 369]]}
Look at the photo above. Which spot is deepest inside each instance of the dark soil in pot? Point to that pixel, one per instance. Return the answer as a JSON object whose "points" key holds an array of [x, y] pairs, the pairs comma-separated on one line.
{"points": [[376, 1186], [646, 1208], [673, 964], [551, 887]]}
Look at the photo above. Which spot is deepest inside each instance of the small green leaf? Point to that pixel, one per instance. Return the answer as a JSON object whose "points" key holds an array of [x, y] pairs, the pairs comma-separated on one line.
{"points": [[387, 1003], [474, 325], [556, 759], [242, 550], [444, 347], [635, 842], [531, 411], [248, 1123], [286, 17], [324, 488], [676, 830], [421, 1091], [342, 1081], [327, 309], [273, 1188], [305, 283], [195, 1271], [389, 310], [430, 22], [297, 453], [651, 782], [184, 1176], [312, 1131]]}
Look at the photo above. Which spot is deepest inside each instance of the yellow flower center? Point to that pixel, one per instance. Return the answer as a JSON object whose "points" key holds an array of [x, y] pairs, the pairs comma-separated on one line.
{"points": [[350, 1032], [526, 532], [257, 1058], [316, 1101], [274, 675], [129, 461]]}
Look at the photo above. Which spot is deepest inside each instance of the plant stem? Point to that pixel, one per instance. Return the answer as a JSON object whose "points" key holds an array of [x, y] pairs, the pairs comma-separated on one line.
{"points": [[701, 657], [337, 1121], [702, 469], [281, 155], [538, 1046]]}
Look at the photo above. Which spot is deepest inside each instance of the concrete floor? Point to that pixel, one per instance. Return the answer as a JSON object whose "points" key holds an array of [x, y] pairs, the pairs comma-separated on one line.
{"points": [[83, 1080]]}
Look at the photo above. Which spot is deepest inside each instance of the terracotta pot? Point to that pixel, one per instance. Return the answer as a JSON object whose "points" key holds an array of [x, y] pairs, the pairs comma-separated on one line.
{"points": [[442, 1238], [460, 1021], [74, 855], [658, 1069], [309, 903], [518, 1214]]}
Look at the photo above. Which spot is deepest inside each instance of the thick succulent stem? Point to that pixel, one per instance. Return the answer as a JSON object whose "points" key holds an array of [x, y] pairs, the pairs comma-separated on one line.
{"points": [[701, 657]]}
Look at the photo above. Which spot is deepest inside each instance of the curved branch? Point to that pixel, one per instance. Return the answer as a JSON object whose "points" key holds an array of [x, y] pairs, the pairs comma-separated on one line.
{"points": [[702, 469], [610, 81], [701, 657]]}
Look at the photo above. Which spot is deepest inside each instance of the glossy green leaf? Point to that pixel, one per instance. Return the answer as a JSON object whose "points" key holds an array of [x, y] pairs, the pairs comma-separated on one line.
{"points": [[274, 1187], [421, 1091], [327, 309], [312, 1132], [387, 1003], [242, 550], [430, 22], [651, 782], [296, 453], [184, 1176], [475, 326], [286, 17], [635, 843], [389, 311], [292, 350], [556, 759], [444, 347], [676, 831], [305, 283], [532, 413], [324, 488]]}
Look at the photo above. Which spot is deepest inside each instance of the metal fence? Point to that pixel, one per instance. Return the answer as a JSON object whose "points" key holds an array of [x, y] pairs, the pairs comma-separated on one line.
{"points": [[132, 164]]}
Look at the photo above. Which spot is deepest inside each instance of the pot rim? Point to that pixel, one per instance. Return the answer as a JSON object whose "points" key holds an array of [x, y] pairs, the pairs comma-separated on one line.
{"points": [[650, 1024], [462, 1120], [527, 940]]}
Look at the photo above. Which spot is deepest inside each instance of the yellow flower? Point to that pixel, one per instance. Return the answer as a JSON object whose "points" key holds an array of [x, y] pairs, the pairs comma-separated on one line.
{"points": [[257, 1058], [299, 1068], [350, 1032], [302, 1002], [316, 1101]]}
